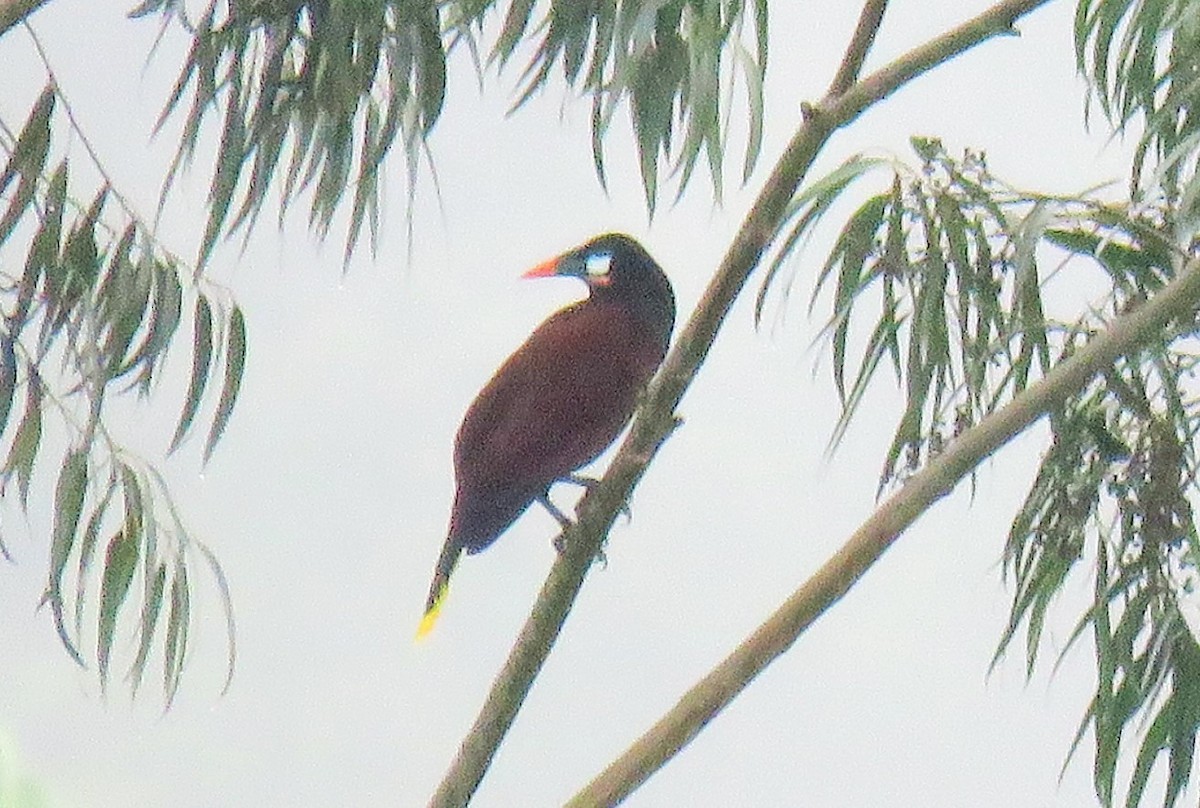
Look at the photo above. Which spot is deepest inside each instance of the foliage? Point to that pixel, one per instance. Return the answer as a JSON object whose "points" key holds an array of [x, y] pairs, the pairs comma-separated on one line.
{"points": [[966, 274], [92, 314], [316, 93], [974, 290], [325, 88], [1141, 59]]}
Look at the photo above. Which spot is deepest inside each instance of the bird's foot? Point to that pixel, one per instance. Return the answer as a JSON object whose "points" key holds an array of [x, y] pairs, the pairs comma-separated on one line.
{"points": [[563, 520], [589, 483]]}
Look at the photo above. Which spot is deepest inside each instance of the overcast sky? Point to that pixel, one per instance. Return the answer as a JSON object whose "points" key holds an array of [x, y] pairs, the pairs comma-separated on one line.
{"points": [[328, 499]]}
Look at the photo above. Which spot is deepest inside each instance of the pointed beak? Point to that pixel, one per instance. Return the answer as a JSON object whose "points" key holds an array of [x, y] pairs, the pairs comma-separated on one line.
{"points": [[546, 269]]}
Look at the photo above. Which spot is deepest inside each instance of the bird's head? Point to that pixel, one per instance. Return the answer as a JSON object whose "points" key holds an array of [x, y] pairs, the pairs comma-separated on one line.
{"points": [[616, 266]]}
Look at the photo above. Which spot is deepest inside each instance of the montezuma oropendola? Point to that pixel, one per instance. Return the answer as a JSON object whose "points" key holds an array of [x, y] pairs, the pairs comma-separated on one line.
{"points": [[560, 399]]}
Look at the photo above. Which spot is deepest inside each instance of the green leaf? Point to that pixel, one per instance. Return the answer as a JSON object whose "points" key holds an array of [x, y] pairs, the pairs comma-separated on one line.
{"points": [[164, 320], [231, 156], [227, 605], [120, 562], [175, 647], [754, 73], [201, 361], [68, 504], [28, 157], [125, 299], [87, 550], [68, 281], [42, 262], [8, 379], [513, 30], [235, 362], [151, 609], [29, 434]]}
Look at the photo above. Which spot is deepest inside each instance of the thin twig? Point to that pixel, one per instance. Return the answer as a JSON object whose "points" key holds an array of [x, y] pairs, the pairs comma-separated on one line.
{"points": [[77, 128], [655, 421]]}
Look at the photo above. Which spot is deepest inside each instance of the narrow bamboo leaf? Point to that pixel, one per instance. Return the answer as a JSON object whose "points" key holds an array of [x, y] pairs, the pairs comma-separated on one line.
{"points": [[68, 504], [431, 68], [367, 185], [821, 195], [17, 207], [88, 541], [1185, 699], [8, 379], [335, 173], [175, 647], [201, 361], [231, 158], [117, 274], [151, 609], [881, 338], [80, 267], [227, 606], [42, 263], [604, 24], [120, 562], [513, 30], [33, 144], [753, 73], [125, 297], [235, 362], [29, 434], [135, 518], [164, 320]]}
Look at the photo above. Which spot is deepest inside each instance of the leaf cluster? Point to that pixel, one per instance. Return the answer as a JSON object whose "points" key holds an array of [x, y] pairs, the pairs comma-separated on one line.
{"points": [[317, 92], [952, 259], [956, 275], [330, 83], [93, 312], [662, 58], [1141, 60]]}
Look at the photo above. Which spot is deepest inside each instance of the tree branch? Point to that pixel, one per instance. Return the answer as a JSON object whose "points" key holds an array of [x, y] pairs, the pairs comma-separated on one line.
{"points": [[656, 420], [864, 36], [712, 693], [15, 11]]}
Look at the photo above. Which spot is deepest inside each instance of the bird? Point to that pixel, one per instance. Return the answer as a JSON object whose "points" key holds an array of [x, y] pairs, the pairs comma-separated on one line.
{"points": [[559, 400]]}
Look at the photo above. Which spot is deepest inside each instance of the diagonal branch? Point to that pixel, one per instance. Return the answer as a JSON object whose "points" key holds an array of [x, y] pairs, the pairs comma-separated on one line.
{"points": [[710, 695], [856, 53], [656, 420]]}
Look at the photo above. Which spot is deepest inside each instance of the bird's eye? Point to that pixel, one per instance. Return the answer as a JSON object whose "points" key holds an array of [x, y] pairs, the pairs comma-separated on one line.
{"points": [[597, 265]]}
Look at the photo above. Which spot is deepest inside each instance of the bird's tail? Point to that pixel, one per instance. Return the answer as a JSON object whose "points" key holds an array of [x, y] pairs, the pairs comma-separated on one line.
{"points": [[440, 586]]}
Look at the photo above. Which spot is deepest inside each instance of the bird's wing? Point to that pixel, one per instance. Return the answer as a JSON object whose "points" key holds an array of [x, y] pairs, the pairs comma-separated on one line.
{"points": [[558, 401]]}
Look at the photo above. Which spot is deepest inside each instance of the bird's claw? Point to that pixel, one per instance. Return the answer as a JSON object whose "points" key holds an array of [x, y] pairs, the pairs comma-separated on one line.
{"points": [[589, 483]]}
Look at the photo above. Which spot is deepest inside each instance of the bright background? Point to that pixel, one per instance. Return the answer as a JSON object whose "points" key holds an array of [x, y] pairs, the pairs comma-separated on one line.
{"points": [[327, 500]]}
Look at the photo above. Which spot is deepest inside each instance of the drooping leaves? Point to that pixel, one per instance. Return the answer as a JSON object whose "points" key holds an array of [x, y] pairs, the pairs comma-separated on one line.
{"points": [[944, 270], [94, 313], [312, 95], [235, 363]]}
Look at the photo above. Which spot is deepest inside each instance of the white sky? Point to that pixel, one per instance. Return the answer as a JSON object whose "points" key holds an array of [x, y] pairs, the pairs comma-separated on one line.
{"points": [[328, 499]]}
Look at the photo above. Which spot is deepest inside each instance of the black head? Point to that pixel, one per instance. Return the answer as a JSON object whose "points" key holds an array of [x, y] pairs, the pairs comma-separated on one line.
{"points": [[615, 266]]}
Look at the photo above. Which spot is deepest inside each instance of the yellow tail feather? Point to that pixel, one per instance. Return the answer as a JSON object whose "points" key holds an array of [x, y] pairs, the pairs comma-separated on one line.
{"points": [[431, 614]]}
